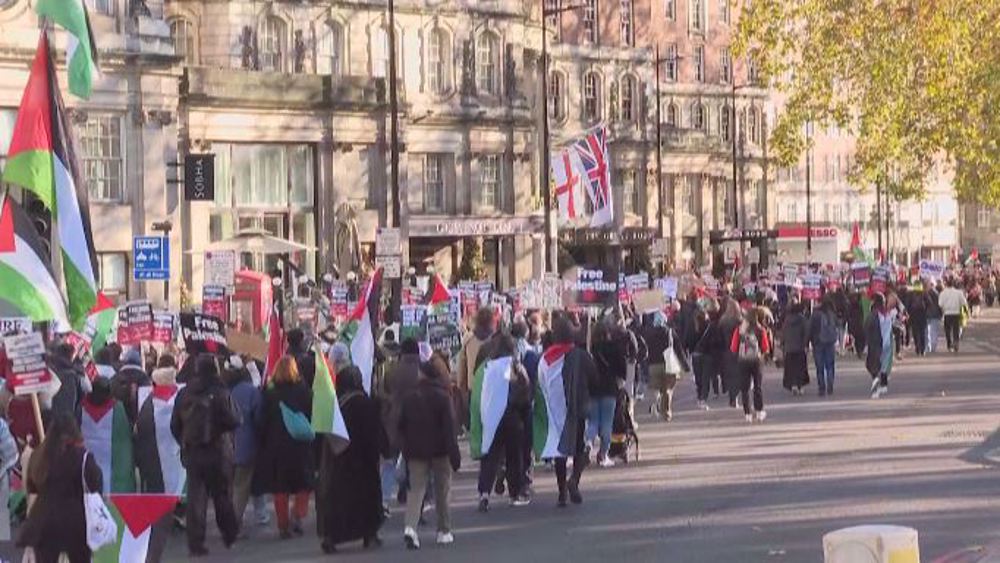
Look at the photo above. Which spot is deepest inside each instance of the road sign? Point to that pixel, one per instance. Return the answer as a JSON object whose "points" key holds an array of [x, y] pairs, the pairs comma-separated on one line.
{"points": [[150, 258], [392, 267], [387, 242]]}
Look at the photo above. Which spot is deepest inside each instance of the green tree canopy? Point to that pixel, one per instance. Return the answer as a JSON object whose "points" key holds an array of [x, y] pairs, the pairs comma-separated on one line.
{"points": [[917, 82]]}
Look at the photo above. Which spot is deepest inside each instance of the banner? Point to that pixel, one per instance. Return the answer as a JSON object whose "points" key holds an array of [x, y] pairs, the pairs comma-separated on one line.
{"points": [[203, 333], [163, 327], [592, 288], [637, 282], [213, 302], [135, 323], [28, 373]]}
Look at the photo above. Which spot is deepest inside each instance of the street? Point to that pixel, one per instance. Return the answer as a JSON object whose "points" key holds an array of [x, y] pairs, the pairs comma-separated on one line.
{"points": [[711, 488]]}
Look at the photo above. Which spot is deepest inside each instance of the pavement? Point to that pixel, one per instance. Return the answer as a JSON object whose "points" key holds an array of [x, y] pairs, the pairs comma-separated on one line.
{"points": [[711, 488]]}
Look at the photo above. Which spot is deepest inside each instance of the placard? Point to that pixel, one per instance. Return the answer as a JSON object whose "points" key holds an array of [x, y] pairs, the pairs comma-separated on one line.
{"points": [[668, 286], [14, 325], [220, 268], [163, 327], [931, 269], [862, 275], [28, 373], [592, 288], [203, 333], [811, 284], [80, 344], [649, 300], [252, 345], [880, 279], [413, 322], [637, 282], [791, 272], [338, 300], [135, 323], [213, 302]]}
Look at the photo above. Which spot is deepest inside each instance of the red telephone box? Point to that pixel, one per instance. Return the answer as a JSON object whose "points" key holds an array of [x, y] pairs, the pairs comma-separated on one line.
{"points": [[251, 300]]}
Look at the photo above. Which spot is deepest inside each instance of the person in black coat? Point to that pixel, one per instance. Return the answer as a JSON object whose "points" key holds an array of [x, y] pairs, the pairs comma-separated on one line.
{"points": [[302, 351], [285, 465], [127, 381], [349, 492], [56, 522], [610, 352], [71, 376]]}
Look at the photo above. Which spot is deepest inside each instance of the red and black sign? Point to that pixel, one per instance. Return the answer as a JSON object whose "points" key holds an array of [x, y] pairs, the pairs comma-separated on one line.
{"points": [[203, 334]]}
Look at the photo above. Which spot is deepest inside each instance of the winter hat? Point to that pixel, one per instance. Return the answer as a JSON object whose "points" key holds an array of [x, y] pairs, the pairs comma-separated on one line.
{"points": [[132, 356], [165, 376]]}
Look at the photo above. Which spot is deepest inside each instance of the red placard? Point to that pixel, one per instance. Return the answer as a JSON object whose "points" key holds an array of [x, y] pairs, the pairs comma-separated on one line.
{"points": [[135, 323], [28, 373], [213, 302], [163, 327]]}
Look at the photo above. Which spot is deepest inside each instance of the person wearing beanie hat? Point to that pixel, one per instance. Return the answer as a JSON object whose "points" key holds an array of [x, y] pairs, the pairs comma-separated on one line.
{"points": [[126, 383]]}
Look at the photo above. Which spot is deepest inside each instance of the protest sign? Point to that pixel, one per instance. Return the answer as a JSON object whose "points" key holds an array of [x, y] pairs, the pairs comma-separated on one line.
{"points": [[591, 288], [811, 284], [649, 300], [880, 279], [668, 286], [338, 300], [252, 345], [135, 323], [28, 373], [861, 274], [80, 344], [163, 327], [203, 333], [413, 322], [213, 302], [637, 282], [931, 269], [14, 325]]}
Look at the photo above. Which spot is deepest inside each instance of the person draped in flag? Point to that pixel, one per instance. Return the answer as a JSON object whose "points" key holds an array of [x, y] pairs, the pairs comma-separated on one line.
{"points": [[56, 523], [349, 493], [561, 406], [107, 433], [482, 332]]}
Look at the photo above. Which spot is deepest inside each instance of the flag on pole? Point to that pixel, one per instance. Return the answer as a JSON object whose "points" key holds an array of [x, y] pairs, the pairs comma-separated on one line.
{"points": [[568, 174], [359, 332], [29, 288], [135, 514], [593, 153], [326, 415], [42, 161], [973, 257], [438, 297], [275, 341], [81, 49], [487, 403], [550, 404], [100, 322], [859, 253]]}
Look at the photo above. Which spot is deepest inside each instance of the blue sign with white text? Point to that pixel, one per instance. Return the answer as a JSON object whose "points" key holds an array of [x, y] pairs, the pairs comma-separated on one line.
{"points": [[151, 259]]}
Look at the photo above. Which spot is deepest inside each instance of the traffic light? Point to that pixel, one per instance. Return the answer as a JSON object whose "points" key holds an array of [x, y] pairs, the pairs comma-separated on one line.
{"points": [[41, 218]]}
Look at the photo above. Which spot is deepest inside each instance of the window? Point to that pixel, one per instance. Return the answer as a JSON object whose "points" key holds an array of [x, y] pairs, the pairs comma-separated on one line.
{"points": [[557, 103], [699, 63], [726, 67], [591, 97], [629, 96], [670, 9], [725, 121], [434, 183], [555, 18], [630, 192], [328, 60], [112, 271], [488, 64], [983, 217], [439, 62], [628, 37], [273, 44], [671, 62], [380, 53], [182, 32], [106, 7], [101, 144], [753, 125], [793, 211], [689, 195], [590, 21], [491, 182], [698, 116], [671, 116], [697, 15], [725, 11], [753, 73]]}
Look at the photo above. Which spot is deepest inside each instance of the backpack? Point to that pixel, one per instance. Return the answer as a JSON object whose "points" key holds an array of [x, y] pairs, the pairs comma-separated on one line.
{"points": [[827, 329], [749, 348], [198, 420]]}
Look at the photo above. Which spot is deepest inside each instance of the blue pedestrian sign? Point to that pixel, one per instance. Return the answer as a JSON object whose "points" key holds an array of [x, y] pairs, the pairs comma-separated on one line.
{"points": [[150, 258]]}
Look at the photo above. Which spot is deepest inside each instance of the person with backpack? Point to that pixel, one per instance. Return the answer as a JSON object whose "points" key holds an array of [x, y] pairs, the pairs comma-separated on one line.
{"points": [[749, 345], [823, 336], [203, 422], [285, 462]]}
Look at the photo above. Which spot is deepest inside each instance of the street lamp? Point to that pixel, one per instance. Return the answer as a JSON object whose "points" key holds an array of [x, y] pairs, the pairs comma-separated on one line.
{"points": [[809, 238]]}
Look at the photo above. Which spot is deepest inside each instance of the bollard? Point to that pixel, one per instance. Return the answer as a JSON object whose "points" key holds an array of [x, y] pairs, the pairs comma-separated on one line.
{"points": [[872, 544]]}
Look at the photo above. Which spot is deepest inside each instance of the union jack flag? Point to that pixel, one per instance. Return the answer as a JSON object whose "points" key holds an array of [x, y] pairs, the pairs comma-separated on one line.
{"points": [[593, 152]]}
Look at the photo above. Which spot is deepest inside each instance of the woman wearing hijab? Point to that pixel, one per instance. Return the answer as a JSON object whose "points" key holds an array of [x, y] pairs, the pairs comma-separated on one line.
{"points": [[794, 344], [878, 332], [349, 492]]}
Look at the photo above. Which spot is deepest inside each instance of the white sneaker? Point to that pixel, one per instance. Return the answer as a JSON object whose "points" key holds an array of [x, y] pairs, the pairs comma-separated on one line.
{"points": [[445, 538], [761, 416], [607, 462], [883, 391], [749, 418], [411, 538]]}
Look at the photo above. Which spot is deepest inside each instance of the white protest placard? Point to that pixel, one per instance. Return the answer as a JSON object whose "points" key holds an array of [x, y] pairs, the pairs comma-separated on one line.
{"points": [[931, 269], [220, 268], [648, 300], [668, 286], [387, 242], [26, 353], [14, 325]]}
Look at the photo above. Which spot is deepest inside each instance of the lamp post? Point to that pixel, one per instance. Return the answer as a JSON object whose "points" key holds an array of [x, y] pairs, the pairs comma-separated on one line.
{"points": [[736, 191], [657, 61], [809, 238]]}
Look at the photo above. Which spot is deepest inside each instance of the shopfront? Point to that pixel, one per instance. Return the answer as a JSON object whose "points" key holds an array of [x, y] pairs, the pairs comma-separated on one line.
{"points": [[628, 248], [792, 244]]}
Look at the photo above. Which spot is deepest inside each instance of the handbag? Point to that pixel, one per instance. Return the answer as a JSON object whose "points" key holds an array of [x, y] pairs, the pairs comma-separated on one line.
{"points": [[297, 425], [671, 363], [101, 527]]}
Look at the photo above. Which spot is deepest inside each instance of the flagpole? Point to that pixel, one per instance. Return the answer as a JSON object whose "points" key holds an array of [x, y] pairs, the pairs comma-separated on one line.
{"points": [[55, 246]]}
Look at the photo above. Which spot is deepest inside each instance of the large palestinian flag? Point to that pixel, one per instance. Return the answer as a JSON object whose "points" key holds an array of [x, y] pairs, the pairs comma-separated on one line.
{"points": [[550, 403], [81, 49], [359, 333], [157, 453], [326, 415], [108, 437], [488, 402], [29, 288], [136, 515], [438, 297], [42, 161]]}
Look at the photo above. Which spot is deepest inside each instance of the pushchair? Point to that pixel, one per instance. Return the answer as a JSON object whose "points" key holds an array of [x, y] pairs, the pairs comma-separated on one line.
{"points": [[623, 435]]}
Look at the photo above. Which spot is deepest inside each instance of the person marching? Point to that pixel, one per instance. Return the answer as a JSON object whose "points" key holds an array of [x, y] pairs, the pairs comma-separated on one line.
{"points": [[878, 333], [795, 345], [750, 345]]}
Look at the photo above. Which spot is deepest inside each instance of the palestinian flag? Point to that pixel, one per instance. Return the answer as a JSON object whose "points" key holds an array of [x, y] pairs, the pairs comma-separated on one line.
{"points": [[81, 49], [29, 288], [488, 402], [136, 515], [550, 403], [100, 322], [157, 453], [438, 297], [359, 333], [275, 342], [326, 415], [108, 437], [973, 258], [43, 162], [859, 253]]}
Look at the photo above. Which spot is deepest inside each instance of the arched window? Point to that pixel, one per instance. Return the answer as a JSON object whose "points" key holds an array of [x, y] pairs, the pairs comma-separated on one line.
{"points": [[439, 62], [698, 120], [629, 97], [591, 96], [380, 53], [183, 34], [753, 125], [557, 96], [329, 59], [670, 116], [273, 42], [725, 123], [488, 64]]}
